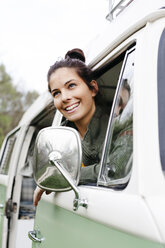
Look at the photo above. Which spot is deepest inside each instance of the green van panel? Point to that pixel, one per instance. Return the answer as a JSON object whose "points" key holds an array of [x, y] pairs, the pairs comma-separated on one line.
{"points": [[64, 229]]}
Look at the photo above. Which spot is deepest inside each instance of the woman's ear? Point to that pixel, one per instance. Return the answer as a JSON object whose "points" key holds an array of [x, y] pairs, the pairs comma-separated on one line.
{"points": [[95, 87]]}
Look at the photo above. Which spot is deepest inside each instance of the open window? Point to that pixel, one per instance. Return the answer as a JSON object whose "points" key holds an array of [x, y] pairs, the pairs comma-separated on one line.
{"points": [[118, 149], [107, 79]]}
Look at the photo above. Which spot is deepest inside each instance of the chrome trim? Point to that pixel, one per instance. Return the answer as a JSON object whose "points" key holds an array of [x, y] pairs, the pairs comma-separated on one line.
{"points": [[78, 201], [33, 236]]}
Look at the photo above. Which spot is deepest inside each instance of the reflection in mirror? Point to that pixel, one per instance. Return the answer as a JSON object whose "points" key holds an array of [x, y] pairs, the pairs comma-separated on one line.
{"points": [[121, 146], [65, 146]]}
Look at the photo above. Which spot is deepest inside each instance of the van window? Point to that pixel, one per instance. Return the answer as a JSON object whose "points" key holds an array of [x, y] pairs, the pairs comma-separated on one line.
{"points": [[107, 79], [161, 98], [118, 150], [26, 208], [6, 151]]}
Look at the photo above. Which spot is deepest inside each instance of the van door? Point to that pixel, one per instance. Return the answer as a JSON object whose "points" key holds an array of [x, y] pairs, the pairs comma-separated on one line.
{"points": [[11, 152], [5, 156], [117, 216]]}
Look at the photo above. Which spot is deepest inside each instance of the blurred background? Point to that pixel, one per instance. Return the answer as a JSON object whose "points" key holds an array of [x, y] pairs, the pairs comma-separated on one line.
{"points": [[34, 34]]}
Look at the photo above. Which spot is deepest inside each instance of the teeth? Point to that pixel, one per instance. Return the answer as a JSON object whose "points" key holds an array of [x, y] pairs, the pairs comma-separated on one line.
{"points": [[72, 107]]}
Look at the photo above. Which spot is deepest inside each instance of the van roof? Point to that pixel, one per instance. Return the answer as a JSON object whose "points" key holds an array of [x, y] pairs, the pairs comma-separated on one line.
{"points": [[135, 16]]}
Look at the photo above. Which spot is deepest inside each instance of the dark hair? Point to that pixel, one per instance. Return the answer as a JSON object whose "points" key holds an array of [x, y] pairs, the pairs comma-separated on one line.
{"points": [[75, 53], [74, 58]]}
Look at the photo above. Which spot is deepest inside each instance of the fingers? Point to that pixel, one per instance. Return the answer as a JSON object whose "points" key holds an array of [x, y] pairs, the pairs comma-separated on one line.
{"points": [[48, 192], [37, 195]]}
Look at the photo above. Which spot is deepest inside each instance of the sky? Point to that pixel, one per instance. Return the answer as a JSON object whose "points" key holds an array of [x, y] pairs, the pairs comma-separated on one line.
{"points": [[35, 33]]}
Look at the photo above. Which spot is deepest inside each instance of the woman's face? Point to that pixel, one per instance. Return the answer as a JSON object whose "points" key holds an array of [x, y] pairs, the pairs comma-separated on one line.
{"points": [[72, 96]]}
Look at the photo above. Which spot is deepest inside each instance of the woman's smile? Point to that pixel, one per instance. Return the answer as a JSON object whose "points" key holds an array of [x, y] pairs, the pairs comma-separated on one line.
{"points": [[72, 108]]}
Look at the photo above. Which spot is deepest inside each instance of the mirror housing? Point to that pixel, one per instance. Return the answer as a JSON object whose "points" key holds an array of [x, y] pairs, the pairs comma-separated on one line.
{"points": [[57, 161], [64, 145]]}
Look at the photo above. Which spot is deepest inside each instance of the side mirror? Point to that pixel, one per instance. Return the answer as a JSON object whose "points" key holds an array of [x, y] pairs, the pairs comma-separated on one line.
{"points": [[57, 161]]}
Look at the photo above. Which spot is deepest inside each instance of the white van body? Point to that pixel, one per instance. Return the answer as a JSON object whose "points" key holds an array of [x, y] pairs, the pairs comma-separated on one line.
{"points": [[131, 46]]}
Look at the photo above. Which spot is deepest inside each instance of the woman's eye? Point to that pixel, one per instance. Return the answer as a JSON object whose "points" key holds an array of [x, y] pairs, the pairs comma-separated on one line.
{"points": [[56, 93], [72, 85]]}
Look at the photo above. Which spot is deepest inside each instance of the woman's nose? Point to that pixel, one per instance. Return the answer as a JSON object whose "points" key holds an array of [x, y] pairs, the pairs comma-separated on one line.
{"points": [[65, 96]]}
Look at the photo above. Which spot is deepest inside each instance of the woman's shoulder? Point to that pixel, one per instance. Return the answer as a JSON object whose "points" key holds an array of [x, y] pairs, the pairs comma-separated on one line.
{"points": [[101, 114], [98, 125]]}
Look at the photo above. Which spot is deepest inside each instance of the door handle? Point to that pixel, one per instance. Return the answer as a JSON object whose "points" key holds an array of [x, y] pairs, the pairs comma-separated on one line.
{"points": [[33, 236]]}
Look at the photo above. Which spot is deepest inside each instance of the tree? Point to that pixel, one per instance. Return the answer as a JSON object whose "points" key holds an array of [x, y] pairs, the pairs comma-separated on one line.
{"points": [[29, 98], [13, 103]]}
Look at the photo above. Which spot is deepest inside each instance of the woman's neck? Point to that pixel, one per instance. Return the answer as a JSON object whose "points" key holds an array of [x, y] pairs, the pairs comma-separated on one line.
{"points": [[82, 125]]}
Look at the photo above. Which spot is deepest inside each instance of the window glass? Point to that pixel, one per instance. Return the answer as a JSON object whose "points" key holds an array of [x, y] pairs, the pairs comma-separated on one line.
{"points": [[7, 149], [108, 82], [161, 98], [27, 210], [117, 160]]}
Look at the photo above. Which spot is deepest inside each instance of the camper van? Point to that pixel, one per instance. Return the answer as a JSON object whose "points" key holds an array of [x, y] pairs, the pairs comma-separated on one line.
{"points": [[121, 210]]}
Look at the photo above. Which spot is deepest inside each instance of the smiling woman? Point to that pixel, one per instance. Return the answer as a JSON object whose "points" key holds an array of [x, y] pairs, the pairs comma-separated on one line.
{"points": [[73, 98], [76, 96]]}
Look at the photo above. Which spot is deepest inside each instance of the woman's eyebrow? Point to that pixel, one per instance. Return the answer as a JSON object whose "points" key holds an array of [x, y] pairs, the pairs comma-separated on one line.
{"points": [[53, 90], [67, 82]]}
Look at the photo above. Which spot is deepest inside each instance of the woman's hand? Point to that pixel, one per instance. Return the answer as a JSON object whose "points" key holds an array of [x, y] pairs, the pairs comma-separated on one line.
{"points": [[37, 195]]}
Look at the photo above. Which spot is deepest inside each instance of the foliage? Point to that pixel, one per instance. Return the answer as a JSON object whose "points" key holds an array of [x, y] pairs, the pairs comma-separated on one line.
{"points": [[13, 103]]}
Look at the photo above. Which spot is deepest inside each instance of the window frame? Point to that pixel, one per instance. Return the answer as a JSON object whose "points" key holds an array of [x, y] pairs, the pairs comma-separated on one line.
{"points": [[107, 140]]}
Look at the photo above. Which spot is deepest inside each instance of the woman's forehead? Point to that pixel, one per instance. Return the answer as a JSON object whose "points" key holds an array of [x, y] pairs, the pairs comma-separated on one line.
{"points": [[64, 72], [62, 76]]}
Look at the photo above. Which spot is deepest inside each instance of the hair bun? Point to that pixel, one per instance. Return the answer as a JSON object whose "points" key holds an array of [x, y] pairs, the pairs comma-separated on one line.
{"points": [[75, 53]]}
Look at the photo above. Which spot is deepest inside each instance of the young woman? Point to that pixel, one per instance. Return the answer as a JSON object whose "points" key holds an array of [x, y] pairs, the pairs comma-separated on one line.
{"points": [[76, 96]]}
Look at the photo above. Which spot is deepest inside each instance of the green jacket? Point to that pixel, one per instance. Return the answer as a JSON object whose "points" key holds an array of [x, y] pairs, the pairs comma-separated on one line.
{"points": [[120, 149], [92, 145]]}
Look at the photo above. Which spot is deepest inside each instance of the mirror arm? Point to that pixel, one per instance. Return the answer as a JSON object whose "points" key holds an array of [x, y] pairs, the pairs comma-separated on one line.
{"points": [[77, 201]]}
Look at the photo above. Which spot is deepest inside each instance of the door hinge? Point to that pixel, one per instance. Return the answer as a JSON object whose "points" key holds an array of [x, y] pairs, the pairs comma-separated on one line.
{"points": [[11, 207]]}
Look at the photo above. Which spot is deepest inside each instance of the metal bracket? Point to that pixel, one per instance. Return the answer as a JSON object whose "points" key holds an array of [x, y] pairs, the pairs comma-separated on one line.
{"points": [[11, 207], [78, 201], [117, 9]]}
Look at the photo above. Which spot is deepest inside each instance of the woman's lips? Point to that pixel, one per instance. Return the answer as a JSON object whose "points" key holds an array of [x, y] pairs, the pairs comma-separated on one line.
{"points": [[72, 107]]}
